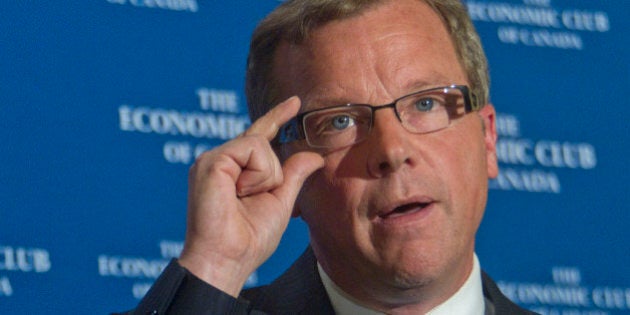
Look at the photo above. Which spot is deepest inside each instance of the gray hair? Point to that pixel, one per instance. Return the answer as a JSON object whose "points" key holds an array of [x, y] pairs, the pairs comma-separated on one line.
{"points": [[293, 20]]}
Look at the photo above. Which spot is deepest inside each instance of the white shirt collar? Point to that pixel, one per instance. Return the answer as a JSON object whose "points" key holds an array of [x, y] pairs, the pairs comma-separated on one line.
{"points": [[468, 300]]}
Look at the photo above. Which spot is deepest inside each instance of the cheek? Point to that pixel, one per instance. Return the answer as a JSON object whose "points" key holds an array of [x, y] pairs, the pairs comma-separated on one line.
{"points": [[321, 197], [463, 170], [330, 198], [322, 209]]}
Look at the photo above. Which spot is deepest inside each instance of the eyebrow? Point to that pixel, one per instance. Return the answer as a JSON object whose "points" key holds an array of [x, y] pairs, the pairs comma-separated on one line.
{"points": [[318, 102], [320, 99], [422, 84]]}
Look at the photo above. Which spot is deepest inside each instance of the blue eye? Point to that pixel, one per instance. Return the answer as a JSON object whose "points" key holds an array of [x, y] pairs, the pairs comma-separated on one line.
{"points": [[425, 104], [342, 122]]}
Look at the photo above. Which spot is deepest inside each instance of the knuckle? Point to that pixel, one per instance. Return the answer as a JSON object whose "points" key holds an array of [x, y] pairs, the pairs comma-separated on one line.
{"points": [[254, 139], [200, 162], [257, 143]]}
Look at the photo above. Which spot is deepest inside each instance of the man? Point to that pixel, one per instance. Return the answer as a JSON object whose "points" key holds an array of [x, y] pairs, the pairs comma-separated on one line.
{"points": [[392, 195]]}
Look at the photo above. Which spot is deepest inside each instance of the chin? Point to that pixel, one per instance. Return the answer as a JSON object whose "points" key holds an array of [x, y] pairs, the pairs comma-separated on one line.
{"points": [[407, 272], [405, 280], [417, 266], [404, 286]]}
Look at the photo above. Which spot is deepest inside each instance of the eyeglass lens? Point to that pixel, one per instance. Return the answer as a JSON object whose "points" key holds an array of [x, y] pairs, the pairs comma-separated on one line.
{"points": [[420, 112]]}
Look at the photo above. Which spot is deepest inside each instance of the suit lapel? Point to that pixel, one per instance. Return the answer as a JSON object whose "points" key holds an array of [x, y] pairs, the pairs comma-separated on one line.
{"points": [[299, 290], [496, 302]]}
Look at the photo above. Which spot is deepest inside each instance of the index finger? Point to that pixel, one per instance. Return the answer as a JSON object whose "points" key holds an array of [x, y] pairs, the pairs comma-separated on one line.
{"points": [[269, 124]]}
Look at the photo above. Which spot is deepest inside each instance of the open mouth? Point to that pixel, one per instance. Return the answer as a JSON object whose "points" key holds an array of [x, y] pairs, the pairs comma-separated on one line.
{"points": [[405, 210]]}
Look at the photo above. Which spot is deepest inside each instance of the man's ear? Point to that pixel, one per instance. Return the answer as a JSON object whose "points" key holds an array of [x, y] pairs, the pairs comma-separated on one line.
{"points": [[488, 116]]}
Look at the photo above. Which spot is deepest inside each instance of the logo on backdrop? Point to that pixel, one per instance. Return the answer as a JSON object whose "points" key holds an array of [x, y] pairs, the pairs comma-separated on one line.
{"points": [[218, 119], [145, 270], [21, 260], [567, 295], [173, 5], [530, 165], [538, 23]]}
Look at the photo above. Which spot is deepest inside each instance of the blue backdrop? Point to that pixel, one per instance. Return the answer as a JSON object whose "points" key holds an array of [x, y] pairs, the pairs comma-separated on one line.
{"points": [[105, 103]]}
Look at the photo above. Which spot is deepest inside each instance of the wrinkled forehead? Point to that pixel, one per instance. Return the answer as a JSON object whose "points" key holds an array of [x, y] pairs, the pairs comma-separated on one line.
{"points": [[379, 55]]}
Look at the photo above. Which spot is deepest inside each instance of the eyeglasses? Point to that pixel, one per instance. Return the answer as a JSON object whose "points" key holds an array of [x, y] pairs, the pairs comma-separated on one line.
{"points": [[344, 125]]}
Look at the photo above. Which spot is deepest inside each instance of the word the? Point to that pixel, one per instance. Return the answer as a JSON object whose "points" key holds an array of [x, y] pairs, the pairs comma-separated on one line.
{"points": [[170, 249], [174, 5]]}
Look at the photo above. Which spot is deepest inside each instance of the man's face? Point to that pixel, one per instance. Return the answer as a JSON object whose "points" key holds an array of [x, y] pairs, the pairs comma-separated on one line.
{"points": [[398, 210]]}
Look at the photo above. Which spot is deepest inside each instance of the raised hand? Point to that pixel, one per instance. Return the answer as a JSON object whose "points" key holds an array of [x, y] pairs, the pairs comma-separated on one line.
{"points": [[240, 201]]}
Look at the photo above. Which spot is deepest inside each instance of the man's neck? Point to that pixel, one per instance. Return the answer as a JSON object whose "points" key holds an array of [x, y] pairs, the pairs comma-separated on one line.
{"points": [[467, 299]]}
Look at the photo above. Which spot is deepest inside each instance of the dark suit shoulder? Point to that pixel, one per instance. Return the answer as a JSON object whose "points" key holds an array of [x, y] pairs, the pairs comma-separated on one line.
{"points": [[297, 290]]}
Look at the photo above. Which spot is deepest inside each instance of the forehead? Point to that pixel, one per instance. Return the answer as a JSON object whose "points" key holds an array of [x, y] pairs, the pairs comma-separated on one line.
{"points": [[385, 52]]}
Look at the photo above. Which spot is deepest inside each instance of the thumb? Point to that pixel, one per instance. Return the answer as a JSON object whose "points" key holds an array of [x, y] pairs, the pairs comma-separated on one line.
{"points": [[297, 169]]}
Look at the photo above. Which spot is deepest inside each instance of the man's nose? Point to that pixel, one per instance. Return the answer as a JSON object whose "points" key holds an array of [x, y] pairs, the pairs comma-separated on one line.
{"points": [[388, 144]]}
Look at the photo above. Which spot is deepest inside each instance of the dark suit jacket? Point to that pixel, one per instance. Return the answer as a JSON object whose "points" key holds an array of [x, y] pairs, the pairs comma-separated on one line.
{"points": [[298, 291]]}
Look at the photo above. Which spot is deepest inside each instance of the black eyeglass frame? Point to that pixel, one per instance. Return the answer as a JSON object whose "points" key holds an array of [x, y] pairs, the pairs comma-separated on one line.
{"points": [[293, 130]]}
